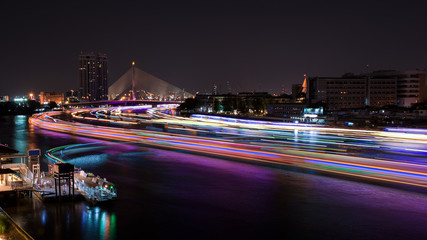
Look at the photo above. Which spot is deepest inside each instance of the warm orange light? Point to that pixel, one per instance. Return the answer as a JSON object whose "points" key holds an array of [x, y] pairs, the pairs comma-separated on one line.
{"points": [[133, 63]]}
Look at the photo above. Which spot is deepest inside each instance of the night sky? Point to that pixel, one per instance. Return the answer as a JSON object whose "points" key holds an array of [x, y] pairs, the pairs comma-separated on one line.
{"points": [[256, 46]]}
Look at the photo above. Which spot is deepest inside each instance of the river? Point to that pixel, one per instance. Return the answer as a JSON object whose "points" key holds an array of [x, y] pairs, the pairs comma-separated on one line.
{"points": [[175, 195]]}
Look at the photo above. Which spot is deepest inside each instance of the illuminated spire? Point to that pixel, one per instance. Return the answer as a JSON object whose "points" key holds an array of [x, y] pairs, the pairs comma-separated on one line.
{"points": [[304, 84]]}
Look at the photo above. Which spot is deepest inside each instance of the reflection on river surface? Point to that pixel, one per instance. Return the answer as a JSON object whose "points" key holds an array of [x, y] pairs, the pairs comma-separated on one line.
{"points": [[164, 194]]}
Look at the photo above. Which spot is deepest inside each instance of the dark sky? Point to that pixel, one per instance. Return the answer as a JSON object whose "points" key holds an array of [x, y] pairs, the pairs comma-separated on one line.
{"points": [[255, 45]]}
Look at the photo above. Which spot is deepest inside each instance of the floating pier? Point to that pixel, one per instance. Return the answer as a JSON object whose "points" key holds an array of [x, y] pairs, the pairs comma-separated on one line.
{"points": [[93, 188], [62, 182]]}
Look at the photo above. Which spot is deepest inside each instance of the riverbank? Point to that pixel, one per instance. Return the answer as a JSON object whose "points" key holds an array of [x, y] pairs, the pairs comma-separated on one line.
{"points": [[10, 230]]}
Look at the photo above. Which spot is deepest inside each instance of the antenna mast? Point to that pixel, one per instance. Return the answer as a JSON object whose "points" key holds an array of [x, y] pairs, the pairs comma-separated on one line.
{"points": [[133, 81]]}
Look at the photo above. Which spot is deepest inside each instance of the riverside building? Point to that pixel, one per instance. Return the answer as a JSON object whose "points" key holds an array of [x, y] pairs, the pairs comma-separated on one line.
{"points": [[377, 89]]}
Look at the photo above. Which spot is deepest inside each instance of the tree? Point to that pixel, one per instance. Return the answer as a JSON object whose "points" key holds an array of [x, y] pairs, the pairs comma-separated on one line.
{"points": [[228, 104], [190, 104], [217, 106], [259, 105], [33, 105], [52, 105], [241, 106]]}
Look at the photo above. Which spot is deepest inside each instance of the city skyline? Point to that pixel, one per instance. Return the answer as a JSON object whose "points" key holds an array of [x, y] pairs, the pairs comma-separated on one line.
{"points": [[261, 47], [213, 120]]}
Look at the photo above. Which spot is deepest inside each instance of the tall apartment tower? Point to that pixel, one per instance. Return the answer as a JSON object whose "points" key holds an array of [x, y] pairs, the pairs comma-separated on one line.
{"points": [[93, 76]]}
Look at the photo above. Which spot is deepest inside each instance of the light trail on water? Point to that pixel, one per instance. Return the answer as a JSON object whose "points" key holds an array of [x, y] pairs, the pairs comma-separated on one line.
{"points": [[378, 169]]}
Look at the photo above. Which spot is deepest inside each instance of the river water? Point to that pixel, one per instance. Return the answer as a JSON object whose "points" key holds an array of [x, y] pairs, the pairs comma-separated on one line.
{"points": [[175, 195]]}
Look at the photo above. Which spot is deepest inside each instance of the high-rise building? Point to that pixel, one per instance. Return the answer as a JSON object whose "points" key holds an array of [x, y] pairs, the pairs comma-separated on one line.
{"points": [[353, 91], [93, 76]]}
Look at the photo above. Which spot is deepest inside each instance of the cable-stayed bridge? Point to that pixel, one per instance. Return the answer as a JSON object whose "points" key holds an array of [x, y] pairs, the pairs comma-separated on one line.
{"points": [[137, 84]]}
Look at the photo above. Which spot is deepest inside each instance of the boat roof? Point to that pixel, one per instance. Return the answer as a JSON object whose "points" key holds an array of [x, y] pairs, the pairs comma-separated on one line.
{"points": [[5, 149], [6, 171]]}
